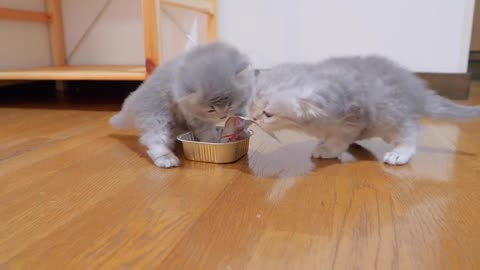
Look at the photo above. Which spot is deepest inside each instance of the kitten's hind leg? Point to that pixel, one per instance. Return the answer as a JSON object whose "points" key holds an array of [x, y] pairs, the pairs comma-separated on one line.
{"points": [[405, 144]]}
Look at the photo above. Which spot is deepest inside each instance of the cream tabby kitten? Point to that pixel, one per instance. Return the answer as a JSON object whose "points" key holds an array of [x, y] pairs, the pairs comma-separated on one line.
{"points": [[191, 92], [343, 100]]}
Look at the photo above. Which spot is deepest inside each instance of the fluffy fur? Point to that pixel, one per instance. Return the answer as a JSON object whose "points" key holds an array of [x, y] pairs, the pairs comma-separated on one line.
{"points": [[191, 92], [343, 100]]}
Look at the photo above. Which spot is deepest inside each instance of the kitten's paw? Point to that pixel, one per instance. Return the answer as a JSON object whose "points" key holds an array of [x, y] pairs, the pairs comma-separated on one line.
{"points": [[162, 156], [397, 158], [167, 161], [323, 152], [346, 157]]}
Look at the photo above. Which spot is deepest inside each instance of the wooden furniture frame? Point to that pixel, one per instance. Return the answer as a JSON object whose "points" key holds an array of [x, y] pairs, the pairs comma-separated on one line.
{"points": [[63, 72]]}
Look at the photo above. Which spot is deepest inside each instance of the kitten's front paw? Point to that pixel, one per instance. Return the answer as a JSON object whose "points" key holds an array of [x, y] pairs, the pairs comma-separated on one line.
{"points": [[162, 156], [167, 161], [321, 151], [346, 157], [395, 158], [399, 155]]}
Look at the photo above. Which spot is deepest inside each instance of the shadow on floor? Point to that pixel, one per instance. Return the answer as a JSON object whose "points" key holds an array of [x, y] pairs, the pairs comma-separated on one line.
{"points": [[294, 160]]}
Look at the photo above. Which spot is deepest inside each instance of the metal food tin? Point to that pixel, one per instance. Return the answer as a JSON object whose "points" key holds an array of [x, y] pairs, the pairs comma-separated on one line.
{"points": [[214, 152]]}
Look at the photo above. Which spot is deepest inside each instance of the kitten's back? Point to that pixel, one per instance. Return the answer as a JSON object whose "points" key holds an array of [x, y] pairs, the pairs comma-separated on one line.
{"points": [[386, 89]]}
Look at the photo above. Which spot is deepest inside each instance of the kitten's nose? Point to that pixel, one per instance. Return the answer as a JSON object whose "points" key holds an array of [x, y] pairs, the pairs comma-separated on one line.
{"points": [[254, 118]]}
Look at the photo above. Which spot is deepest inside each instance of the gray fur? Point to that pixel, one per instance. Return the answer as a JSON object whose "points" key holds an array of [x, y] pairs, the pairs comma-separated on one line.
{"points": [[342, 100], [179, 95]]}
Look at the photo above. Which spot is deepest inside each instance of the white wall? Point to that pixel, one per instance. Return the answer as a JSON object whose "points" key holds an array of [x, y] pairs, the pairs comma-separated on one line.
{"points": [[116, 39], [427, 35], [23, 44]]}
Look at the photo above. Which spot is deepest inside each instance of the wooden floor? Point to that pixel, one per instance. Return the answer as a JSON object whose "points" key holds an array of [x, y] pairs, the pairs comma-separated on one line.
{"points": [[76, 194]]}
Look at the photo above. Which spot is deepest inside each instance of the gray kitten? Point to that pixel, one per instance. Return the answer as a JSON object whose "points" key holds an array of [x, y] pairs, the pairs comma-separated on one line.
{"points": [[343, 100], [193, 91]]}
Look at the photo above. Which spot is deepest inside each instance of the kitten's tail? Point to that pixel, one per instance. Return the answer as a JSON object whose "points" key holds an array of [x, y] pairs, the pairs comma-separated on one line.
{"points": [[442, 108], [120, 120]]}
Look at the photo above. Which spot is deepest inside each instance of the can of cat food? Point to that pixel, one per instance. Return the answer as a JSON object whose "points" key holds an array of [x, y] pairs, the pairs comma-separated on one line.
{"points": [[221, 152]]}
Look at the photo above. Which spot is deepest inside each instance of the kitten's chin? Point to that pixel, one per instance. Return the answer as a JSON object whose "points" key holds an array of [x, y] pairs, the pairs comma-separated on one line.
{"points": [[267, 127], [278, 126]]}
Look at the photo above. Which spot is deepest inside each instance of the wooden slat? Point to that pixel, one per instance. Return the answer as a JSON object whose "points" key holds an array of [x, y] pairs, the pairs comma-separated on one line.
{"points": [[100, 73], [212, 22], [150, 31], [23, 15], [203, 6], [56, 32]]}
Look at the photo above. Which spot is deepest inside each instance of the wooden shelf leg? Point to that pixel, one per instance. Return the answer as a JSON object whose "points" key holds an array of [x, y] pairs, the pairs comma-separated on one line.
{"points": [[151, 34], [212, 22], [55, 29]]}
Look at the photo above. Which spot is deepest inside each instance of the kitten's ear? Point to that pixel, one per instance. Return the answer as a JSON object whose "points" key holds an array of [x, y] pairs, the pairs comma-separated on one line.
{"points": [[306, 110]]}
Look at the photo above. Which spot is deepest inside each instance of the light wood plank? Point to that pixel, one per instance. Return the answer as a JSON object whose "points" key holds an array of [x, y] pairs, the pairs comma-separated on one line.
{"points": [[55, 29], [23, 15], [99, 73], [151, 35], [212, 22], [203, 6]]}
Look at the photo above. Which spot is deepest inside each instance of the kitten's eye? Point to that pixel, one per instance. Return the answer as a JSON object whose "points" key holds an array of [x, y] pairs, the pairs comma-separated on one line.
{"points": [[267, 114], [212, 109]]}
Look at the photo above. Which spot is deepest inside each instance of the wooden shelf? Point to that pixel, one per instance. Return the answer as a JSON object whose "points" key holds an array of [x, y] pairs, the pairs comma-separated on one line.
{"points": [[60, 71], [24, 15], [66, 73]]}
